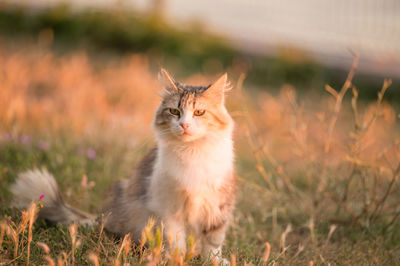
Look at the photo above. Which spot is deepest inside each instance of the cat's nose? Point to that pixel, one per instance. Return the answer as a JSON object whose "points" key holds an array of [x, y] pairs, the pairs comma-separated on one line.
{"points": [[184, 125]]}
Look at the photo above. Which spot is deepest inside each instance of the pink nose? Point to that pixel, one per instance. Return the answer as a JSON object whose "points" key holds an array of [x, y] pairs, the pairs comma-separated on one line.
{"points": [[184, 125]]}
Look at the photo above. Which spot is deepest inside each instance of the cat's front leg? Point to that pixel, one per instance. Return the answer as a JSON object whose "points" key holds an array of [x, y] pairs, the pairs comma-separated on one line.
{"points": [[175, 234], [212, 245]]}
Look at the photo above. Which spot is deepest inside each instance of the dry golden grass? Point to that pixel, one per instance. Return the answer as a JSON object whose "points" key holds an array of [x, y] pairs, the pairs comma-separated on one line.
{"points": [[308, 162], [43, 92]]}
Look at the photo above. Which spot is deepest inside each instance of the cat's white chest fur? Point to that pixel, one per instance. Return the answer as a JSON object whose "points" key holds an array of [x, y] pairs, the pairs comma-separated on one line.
{"points": [[194, 173], [200, 168]]}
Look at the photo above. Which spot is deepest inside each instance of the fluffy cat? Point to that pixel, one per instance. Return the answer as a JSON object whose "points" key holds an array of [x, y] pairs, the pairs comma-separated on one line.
{"points": [[186, 182]]}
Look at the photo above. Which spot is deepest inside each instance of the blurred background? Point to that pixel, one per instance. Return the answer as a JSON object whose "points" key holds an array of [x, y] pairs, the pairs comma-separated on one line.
{"points": [[303, 43], [323, 29], [111, 51]]}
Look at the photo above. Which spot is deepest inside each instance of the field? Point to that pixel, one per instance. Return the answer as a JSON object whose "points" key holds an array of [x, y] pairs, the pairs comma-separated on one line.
{"points": [[317, 172]]}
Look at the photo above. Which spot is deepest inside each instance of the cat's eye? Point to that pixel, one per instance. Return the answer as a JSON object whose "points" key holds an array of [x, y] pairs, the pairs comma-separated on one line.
{"points": [[199, 112], [174, 111]]}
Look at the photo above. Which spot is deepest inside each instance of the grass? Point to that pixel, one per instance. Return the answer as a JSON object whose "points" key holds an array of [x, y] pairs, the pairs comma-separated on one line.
{"points": [[261, 216], [317, 176]]}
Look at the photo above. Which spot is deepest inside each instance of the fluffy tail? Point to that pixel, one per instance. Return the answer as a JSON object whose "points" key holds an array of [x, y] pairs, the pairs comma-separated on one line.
{"points": [[35, 184]]}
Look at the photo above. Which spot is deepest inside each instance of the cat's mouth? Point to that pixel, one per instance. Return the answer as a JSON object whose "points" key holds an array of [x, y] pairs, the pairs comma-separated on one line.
{"points": [[185, 134]]}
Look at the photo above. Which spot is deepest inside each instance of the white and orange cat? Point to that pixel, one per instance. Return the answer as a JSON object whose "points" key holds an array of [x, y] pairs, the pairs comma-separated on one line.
{"points": [[186, 182]]}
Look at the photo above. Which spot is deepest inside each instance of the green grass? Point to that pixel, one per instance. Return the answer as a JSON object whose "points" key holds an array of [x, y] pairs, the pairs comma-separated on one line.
{"points": [[261, 215]]}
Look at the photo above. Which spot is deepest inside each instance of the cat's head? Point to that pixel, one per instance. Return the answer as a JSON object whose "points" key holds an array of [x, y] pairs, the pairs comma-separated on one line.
{"points": [[188, 113]]}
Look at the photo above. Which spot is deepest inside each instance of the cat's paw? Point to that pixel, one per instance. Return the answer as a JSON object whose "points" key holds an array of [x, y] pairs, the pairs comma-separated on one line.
{"points": [[223, 261]]}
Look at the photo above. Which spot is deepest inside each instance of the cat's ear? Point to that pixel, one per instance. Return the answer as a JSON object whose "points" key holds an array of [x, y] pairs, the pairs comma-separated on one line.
{"points": [[217, 90], [167, 81]]}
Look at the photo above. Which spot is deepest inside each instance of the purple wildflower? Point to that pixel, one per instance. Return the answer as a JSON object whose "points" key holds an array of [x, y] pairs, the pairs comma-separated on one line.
{"points": [[8, 221], [25, 139], [41, 196], [91, 154], [99, 220], [43, 145], [6, 137]]}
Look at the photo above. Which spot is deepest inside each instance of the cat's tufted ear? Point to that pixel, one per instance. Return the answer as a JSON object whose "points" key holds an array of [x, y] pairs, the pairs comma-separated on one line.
{"points": [[217, 90], [168, 82]]}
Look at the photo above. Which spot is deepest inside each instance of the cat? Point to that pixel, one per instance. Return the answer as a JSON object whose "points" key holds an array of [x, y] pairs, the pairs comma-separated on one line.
{"points": [[186, 182]]}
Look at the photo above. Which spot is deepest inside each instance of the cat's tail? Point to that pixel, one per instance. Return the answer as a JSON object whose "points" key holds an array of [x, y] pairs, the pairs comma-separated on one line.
{"points": [[38, 184]]}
